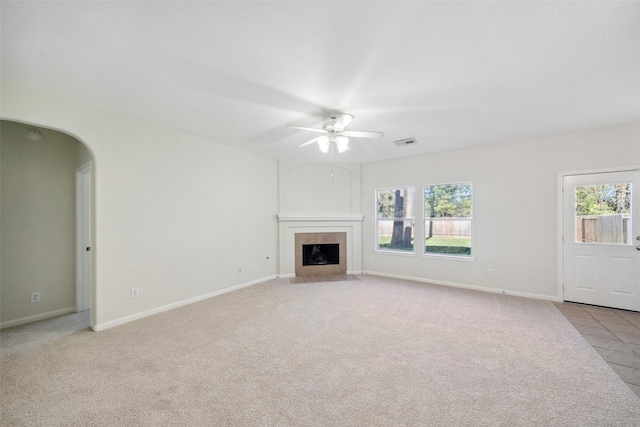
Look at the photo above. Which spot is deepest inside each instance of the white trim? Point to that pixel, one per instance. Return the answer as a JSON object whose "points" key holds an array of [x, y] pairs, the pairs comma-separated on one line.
{"points": [[466, 286], [464, 258], [560, 215], [603, 170], [36, 317], [85, 167], [321, 218], [395, 252], [80, 249], [559, 234], [107, 325]]}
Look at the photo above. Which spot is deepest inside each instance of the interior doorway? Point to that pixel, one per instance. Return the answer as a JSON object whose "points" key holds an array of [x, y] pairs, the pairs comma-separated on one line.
{"points": [[47, 182], [601, 238]]}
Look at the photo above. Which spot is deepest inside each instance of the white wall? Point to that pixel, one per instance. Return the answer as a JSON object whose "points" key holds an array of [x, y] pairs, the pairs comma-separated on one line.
{"points": [[514, 206], [320, 188], [177, 216], [38, 223]]}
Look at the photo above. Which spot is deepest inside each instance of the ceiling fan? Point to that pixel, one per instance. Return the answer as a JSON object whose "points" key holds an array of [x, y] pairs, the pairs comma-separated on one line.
{"points": [[334, 133]]}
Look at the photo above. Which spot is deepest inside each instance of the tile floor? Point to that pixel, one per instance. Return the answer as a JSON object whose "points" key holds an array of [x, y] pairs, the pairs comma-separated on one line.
{"points": [[615, 334]]}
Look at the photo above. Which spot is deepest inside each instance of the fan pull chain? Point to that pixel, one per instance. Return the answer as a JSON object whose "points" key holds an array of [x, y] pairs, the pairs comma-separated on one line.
{"points": [[333, 179]]}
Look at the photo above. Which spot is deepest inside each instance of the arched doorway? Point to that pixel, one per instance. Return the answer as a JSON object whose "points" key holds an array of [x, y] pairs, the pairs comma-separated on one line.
{"points": [[38, 223]]}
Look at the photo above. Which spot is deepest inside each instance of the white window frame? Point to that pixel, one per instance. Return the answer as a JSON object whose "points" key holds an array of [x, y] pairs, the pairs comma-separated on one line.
{"points": [[411, 252], [456, 257]]}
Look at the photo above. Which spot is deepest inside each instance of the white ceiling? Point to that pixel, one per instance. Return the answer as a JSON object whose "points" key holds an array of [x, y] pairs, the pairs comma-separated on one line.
{"points": [[450, 74]]}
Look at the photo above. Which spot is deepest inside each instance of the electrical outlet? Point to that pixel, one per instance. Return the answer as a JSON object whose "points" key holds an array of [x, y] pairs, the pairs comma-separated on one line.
{"points": [[490, 272], [135, 292], [35, 297], [255, 265], [370, 260]]}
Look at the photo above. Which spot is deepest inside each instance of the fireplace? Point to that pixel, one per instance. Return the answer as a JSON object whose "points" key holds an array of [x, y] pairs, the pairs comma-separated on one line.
{"points": [[290, 246], [320, 253]]}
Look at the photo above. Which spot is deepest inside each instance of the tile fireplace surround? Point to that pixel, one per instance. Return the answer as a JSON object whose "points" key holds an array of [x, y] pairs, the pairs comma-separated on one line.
{"points": [[320, 239], [348, 224]]}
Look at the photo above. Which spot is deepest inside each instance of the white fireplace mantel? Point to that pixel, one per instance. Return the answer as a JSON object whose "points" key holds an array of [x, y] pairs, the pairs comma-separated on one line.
{"points": [[320, 218], [290, 224]]}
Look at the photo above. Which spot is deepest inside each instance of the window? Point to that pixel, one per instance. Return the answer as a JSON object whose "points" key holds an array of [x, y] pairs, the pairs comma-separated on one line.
{"points": [[603, 213], [395, 219], [447, 214]]}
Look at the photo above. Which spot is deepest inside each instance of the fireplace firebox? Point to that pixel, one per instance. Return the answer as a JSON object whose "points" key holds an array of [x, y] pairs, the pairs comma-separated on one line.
{"points": [[326, 254]]}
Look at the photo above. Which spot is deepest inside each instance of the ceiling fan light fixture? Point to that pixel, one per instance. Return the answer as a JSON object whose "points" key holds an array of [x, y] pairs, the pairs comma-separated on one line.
{"points": [[343, 143], [334, 133], [323, 143]]}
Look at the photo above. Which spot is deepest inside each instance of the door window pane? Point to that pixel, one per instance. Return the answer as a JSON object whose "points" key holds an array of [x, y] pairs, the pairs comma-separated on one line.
{"points": [[603, 213]]}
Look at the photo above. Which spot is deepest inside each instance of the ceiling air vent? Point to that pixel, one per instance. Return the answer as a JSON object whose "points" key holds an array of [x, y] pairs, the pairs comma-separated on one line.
{"points": [[406, 141]]}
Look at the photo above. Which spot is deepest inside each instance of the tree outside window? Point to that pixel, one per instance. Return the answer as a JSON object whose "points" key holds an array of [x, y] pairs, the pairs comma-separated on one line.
{"points": [[395, 218], [448, 216], [604, 199], [603, 213]]}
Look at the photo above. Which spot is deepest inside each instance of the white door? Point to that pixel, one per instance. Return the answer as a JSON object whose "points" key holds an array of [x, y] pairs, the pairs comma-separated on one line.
{"points": [[601, 239], [83, 237]]}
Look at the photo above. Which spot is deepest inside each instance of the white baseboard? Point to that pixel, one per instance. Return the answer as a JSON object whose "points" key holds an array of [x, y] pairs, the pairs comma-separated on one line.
{"points": [[112, 323], [466, 286], [36, 317]]}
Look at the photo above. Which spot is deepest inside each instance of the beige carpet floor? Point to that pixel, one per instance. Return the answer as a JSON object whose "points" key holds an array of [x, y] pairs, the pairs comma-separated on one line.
{"points": [[368, 352]]}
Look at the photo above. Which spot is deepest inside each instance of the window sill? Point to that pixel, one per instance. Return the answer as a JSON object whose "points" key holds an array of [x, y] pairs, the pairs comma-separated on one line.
{"points": [[450, 257], [401, 253]]}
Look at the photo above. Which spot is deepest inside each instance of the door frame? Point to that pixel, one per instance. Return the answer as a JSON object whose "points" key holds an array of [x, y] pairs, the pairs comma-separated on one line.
{"points": [[82, 288], [560, 216]]}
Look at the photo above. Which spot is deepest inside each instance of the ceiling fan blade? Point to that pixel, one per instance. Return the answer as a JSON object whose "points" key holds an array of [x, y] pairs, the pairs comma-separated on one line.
{"points": [[342, 121], [362, 134], [306, 128], [304, 144]]}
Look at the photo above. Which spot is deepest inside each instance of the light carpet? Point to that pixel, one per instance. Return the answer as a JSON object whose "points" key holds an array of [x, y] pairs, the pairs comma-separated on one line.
{"points": [[371, 352]]}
